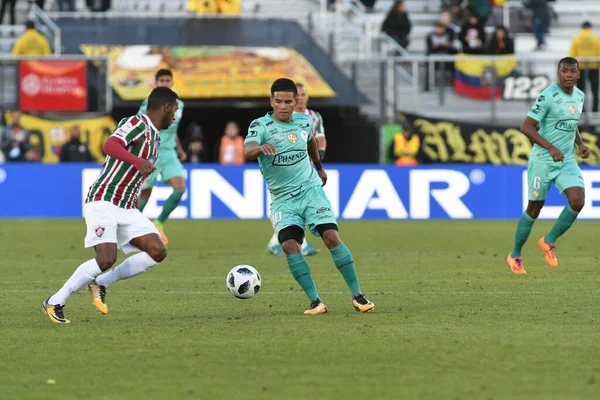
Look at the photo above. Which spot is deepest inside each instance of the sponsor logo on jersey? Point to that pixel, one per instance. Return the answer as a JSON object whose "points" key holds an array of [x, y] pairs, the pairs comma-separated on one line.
{"points": [[541, 98], [253, 134], [323, 209], [304, 126], [288, 158], [568, 125], [292, 138], [99, 231], [269, 123], [580, 108], [304, 135], [254, 124]]}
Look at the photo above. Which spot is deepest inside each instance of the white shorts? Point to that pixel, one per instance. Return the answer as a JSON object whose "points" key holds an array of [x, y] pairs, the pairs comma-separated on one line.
{"points": [[107, 223]]}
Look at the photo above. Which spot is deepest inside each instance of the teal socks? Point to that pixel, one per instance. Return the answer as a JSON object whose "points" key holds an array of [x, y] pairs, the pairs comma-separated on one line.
{"points": [[345, 264], [301, 273], [523, 231], [171, 203], [562, 224]]}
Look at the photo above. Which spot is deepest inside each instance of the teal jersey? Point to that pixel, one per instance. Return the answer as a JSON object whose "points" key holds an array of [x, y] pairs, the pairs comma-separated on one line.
{"points": [[289, 170], [167, 136], [558, 114]]}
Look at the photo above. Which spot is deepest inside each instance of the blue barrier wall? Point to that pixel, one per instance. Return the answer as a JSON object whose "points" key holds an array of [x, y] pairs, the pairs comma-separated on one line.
{"points": [[356, 192]]}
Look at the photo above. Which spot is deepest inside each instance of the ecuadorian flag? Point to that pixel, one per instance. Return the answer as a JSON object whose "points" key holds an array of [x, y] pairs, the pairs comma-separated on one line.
{"points": [[469, 79]]}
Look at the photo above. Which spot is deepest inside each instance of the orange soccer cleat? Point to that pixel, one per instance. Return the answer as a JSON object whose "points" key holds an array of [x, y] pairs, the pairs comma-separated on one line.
{"points": [[515, 264], [549, 252]]}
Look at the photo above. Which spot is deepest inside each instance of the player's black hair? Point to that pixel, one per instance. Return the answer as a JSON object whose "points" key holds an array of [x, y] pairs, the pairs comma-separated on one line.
{"points": [[586, 25], [161, 96], [284, 85], [29, 24], [163, 72], [568, 61]]}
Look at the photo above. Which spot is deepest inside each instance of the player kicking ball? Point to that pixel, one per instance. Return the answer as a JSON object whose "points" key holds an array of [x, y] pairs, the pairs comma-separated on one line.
{"points": [[557, 111], [111, 215], [168, 164], [283, 141], [307, 249]]}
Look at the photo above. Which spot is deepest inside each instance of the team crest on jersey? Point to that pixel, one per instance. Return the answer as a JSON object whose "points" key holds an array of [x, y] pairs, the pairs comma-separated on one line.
{"points": [[536, 194], [100, 231], [580, 108], [292, 138], [572, 109], [304, 135]]}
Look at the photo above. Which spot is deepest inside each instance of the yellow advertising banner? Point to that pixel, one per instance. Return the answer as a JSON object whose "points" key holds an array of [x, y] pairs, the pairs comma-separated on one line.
{"points": [[50, 135], [205, 72]]}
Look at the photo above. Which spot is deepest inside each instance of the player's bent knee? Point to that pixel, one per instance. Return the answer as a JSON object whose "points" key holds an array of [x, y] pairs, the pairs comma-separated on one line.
{"points": [[291, 246], [106, 260], [331, 238], [158, 251], [577, 203]]}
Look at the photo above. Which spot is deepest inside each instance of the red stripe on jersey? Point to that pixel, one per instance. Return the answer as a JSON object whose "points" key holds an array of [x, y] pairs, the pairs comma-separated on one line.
{"points": [[102, 186], [123, 185]]}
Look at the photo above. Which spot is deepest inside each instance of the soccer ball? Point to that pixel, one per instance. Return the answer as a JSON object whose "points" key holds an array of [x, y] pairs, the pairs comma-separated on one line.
{"points": [[243, 281]]}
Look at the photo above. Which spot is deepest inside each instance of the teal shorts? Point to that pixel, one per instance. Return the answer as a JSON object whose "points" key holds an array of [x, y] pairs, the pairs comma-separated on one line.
{"points": [[541, 175], [167, 166], [310, 206]]}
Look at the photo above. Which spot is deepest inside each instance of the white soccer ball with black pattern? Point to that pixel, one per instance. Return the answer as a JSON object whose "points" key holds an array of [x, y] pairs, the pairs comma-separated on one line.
{"points": [[243, 281]]}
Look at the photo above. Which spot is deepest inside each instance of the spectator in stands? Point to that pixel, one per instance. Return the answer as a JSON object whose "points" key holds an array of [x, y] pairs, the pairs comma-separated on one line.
{"points": [[66, 5], [481, 8], [11, 4], [440, 42], [397, 24], [215, 6], [230, 150], [404, 150], [74, 150], [472, 36], [195, 144], [587, 44], [98, 5], [31, 43], [541, 20], [455, 8], [501, 42], [446, 19], [14, 142]]}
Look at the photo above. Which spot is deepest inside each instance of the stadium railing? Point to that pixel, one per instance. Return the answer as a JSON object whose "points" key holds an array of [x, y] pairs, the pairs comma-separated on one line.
{"points": [[47, 26], [513, 84]]}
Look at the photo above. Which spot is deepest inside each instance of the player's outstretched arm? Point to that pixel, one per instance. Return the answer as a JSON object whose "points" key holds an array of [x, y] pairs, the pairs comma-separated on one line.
{"points": [[115, 148], [252, 150], [529, 129]]}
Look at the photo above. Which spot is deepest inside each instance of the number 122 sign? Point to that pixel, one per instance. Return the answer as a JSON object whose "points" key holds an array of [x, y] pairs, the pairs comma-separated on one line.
{"points": [[524, 87]]}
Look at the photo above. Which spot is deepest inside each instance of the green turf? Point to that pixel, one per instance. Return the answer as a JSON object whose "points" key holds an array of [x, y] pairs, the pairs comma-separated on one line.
{"points": [[451, 321]]}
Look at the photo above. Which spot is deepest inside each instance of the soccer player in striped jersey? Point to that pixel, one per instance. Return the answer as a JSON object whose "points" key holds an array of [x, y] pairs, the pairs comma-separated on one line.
{"points": [[111, 214], [307, 249], [168, 164]]}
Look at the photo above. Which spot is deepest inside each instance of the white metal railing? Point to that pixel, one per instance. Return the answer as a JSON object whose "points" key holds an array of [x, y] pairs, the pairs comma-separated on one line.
{"points": [[47, 25], [10, 60], [414, 99]]}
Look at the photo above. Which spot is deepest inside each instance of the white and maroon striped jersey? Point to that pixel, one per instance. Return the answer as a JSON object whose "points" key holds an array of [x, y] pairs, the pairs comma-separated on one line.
{"points": [[119, 182], [318, 128]]}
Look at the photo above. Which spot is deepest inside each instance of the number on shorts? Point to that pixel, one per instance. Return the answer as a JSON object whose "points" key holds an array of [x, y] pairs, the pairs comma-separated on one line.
{"points": [[536, 182], [276, 217]]}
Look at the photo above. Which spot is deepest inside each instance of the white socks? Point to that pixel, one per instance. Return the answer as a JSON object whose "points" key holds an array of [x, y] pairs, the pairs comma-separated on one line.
{"points": [[129, 268], [83, 276]]}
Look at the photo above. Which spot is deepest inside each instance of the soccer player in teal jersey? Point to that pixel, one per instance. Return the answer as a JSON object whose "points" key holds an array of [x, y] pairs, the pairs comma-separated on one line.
{"points": [[557, 111], [307, 249], [283, 141], [168, 164]]}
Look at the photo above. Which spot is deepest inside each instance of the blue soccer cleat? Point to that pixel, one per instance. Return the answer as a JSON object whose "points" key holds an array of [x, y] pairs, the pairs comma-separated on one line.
{"points": [[275, 249], [309, 250]]}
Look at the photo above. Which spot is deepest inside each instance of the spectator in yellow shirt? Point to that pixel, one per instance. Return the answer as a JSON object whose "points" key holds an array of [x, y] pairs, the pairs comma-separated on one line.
{"points": [[31, 43], [215, 6], [587, 44]]}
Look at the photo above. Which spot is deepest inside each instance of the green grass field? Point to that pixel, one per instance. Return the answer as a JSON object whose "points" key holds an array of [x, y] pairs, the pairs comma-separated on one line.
{"points": [[451, 321]]}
